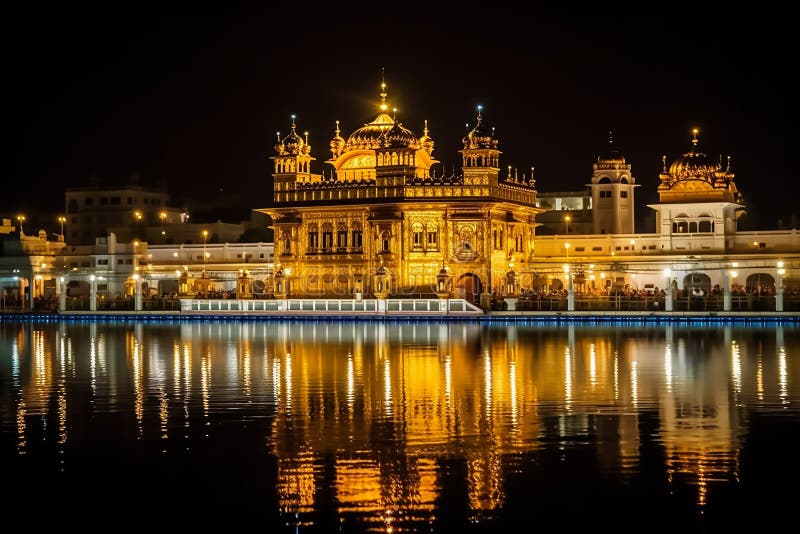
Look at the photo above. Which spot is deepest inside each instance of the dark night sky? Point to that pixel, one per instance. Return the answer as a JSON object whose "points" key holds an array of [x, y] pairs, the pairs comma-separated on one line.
{"points": [[193, 98]]}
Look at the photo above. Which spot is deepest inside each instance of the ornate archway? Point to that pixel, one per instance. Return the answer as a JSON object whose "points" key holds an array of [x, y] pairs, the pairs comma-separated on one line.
{"points": [[469, 287]]}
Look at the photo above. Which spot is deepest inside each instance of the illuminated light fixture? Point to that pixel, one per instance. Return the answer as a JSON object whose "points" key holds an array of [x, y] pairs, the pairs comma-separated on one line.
{"points": [[135, 276], [667, 273], [780, 263], [781, 271]]}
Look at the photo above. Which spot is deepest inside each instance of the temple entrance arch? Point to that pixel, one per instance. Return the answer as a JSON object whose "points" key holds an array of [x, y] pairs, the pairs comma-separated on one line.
{"points": [[697, 281], [469, 287], [760, 283]]}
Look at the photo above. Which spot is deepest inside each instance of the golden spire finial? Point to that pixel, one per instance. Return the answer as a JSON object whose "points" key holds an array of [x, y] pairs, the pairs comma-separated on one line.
{"points": [[728, 168], [664, 163], [610, 137], [384, 106], [394, 114], [279, 136], [425, 130], [306, 134], [695, 131], [293, 119], [337, 129], [480, 113]]}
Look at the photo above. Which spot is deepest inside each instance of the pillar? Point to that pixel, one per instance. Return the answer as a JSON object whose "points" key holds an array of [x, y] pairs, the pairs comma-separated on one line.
{"points": [[779, 290], [726, 290], [61, 289], [668, 296], [137, 293], [570, 293], [92, 293]]}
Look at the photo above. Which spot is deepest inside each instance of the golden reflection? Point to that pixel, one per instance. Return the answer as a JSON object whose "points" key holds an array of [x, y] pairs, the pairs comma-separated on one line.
{"points": [[668, 366], [205, 383], [381, 411], [351, 385], [21, 412], [736, 368], [137, 374], [783, 381]]}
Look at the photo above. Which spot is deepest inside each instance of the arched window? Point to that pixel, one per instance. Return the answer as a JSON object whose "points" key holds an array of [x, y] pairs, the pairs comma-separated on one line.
{"points": [[356, 241], [623, 180], [693, 227], [313, 238], [327, 236], [417, 242], [604, 180], [341, 237], [385, 241], [433, 237]]}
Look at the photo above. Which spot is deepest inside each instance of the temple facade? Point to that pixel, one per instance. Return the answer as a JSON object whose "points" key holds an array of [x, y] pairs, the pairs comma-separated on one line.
{"points": [[380, 208]]}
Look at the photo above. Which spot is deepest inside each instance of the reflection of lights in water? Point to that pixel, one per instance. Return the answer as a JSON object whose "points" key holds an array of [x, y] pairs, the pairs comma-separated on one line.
{"points": [[635, 382], [39, 363], [668, 366], [187, 383], [205, 383], [351, 384], [782, 375], [736, 368], [487, 388], [387, 387], [288, 383], [246, 373], [21, 410], [163, 414], [567, 376], [138, 402], [92, 365], [276, 379], [512, 379], [616, 376], [760, 378], [592, 365]]}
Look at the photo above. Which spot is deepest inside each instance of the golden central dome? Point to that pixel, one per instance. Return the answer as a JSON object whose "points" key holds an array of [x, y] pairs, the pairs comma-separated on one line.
{"points": [[370, 135], [694, 164]]}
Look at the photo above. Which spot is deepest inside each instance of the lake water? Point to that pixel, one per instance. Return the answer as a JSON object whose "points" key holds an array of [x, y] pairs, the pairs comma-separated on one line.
{"points": [[425, 426]]}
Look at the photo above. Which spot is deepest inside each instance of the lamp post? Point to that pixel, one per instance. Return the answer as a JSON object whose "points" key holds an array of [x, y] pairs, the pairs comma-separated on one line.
{"points": [[21, 219], [205, 238], [567, 219], [62, 220], [779, 288], [163, 216], [566, 246]]}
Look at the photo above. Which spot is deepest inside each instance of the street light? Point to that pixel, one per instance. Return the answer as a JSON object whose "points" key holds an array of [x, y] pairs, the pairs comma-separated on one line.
{"points": [[163, 216], [62, 220], [20, 219], [567, 219], [205, 237], [566, 246]]}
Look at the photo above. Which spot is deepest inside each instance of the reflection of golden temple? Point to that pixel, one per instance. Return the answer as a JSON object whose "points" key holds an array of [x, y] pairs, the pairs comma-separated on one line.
{"points": [[373, 410]]}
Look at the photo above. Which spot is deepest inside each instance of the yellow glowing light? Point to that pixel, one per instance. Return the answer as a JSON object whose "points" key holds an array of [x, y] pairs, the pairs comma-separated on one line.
{"points": [[566, 245], [781, 271], [667, 273], [734, 274], [602, 275], [780, 264]]}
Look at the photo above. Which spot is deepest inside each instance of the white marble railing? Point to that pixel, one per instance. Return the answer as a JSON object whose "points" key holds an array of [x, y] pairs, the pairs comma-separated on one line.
{"points": [[333, 306]]}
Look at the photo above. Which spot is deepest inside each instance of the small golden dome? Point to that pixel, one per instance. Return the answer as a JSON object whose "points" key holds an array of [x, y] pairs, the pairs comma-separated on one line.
{"points": [[426, 142], [292, 144], [612, 154], [480, 136], [399, 137], [694, 164]]}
